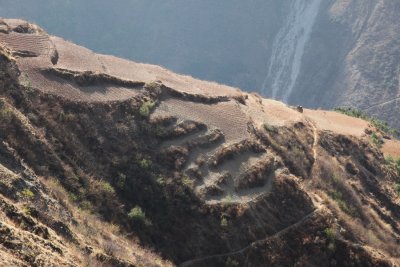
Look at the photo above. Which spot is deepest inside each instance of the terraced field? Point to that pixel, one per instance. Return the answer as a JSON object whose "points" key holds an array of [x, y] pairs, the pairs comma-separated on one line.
{"points": [[147, 73], [36, 52], [31, 44], [226, 116], [75, 57]]}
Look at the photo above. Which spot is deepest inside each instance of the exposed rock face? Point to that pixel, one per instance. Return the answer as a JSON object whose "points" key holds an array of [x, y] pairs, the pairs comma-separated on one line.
{"points": [[351, 59], [202, 173]]}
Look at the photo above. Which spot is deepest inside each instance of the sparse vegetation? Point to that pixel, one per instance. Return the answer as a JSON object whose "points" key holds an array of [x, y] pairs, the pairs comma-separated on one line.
{"points": [[376, 140], [270, 128], [110, 248], [26, 82], [338, 197], [389, 160], [343, 205], [379, 124], [66, 117], [395, 164]]}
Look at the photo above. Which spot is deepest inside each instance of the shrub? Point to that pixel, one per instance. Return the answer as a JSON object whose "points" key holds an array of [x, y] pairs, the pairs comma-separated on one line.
{"points": [[376, 140], [121, 180], [5, 113], [397, 188], [145, 164], [146, 108], [338, 197], [110, 248], [26, 83], [389, 160], [330, 234], [26, 210], [27, 193], [137, 214], [107, 187], [161, 181], [224, 222], [152, 86], [270, 128], [66, 117], [187, 182], [86, 205], [231, 262]]}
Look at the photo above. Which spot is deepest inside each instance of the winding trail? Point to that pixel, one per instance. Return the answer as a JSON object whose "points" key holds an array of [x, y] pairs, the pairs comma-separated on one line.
{"points": [[315, 143], [253, 244], [382, 104]]}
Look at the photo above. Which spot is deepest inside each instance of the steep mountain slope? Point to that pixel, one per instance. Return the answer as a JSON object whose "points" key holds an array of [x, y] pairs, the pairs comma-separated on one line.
{"points": [[103, 157], [352, 59]]}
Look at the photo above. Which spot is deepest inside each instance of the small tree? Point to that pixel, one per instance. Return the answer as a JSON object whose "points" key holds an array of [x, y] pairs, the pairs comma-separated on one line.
{"points": [[137, 214]]}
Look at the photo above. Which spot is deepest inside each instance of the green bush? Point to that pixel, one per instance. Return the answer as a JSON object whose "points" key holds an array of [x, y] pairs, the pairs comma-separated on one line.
{"points": [[330, 234], [224, 222], [27, 193], [338, 197], [389, 160], [6, 114], [146, 108], [121, 180], [376, 140], [107, 187], [397, 166], [145, 164], [397, 188], [137, 214]]}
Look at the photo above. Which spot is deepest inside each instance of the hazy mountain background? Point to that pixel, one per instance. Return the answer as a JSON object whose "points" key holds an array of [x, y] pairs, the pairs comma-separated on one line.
{"points": [[226, 41], [317, 53]]}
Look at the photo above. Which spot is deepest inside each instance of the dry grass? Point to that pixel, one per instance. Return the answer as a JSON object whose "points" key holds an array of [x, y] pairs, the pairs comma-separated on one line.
{"points": [[103, 237]]}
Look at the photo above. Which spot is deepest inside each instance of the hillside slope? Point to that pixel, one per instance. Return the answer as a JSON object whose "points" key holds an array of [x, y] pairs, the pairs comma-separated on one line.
{"points": [[104, 160]]}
